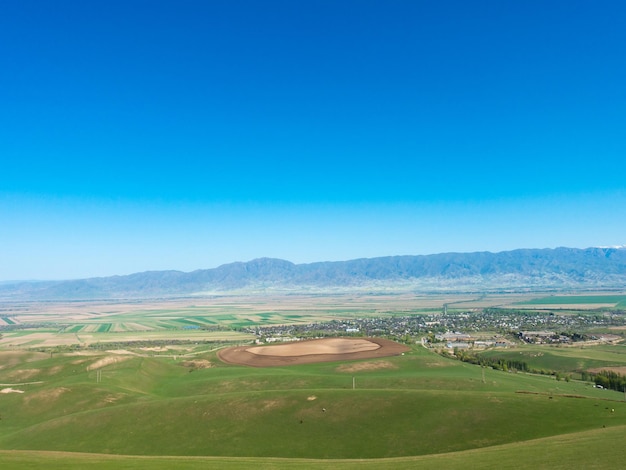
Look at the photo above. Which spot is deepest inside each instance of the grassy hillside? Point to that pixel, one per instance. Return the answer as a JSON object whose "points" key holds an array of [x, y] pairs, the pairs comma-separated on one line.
{"points": [[418, 404], [596, 449]]}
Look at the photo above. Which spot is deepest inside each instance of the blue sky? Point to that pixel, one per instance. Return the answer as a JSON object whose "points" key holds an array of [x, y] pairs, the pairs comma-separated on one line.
{"points": [[143, 135]]}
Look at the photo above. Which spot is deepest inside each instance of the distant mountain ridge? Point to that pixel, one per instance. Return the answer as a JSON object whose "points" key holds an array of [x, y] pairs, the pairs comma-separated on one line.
{"points": [[522, 269]]}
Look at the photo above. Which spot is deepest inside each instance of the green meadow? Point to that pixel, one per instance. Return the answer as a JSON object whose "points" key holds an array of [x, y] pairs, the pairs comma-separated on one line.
{"points": [[411, 410], [597, 449]]}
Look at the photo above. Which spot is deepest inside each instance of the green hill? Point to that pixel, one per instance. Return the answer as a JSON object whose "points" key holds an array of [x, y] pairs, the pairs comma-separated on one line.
{"points": [[419, 406]]}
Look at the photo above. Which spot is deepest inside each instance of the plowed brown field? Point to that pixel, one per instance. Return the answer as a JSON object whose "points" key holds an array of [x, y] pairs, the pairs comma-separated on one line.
{"points": [[310, 351]]}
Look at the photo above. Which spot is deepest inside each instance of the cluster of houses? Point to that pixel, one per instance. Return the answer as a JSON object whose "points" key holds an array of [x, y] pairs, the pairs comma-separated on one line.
{"points": [[551, 337], [465, 341], [543, 337]]}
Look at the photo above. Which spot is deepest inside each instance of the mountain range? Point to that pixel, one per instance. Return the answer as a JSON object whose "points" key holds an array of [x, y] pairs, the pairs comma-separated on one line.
{"points": [[516, 270]]}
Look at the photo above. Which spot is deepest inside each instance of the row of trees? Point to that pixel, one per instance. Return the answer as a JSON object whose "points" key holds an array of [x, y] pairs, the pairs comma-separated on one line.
{"points": [[494, 363], [605, 378], [504, 364], [611, 380]]}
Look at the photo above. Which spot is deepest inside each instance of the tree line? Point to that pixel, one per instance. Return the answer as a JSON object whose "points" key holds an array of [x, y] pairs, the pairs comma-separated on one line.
{"points": [[611, 380], [605, 378]]}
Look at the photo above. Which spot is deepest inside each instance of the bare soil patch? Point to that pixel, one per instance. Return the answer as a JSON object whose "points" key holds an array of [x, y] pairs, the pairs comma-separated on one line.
{"points": [[54, 370], [46, 396], [197, 364], [105, 361], [79, 361], [111, 399], [11, 390], [365, 366], [323, 346], [311, 351], [22, 375]]}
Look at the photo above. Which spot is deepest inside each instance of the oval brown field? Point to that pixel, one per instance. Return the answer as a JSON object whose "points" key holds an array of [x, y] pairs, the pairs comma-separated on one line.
{"points": [[311, 351]]}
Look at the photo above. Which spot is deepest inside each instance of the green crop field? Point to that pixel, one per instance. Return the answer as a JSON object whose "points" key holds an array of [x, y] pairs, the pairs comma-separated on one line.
{"points": [[618, 301]]}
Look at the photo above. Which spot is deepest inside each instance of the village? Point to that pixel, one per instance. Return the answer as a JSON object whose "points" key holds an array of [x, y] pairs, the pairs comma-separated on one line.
{"points": [[462, 330]]}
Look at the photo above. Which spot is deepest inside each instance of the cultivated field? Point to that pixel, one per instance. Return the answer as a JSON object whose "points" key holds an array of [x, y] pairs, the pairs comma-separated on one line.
{"points": [[580, 302], [312, 351], [48, 324]]}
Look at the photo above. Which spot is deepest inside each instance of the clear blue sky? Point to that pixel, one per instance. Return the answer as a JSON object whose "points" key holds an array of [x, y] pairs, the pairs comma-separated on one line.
{"points": [[147, 135]]}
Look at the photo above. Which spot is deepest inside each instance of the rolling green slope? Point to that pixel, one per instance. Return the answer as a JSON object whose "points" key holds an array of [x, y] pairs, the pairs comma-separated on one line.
{"points": [[419, 404], [597, 449]]}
